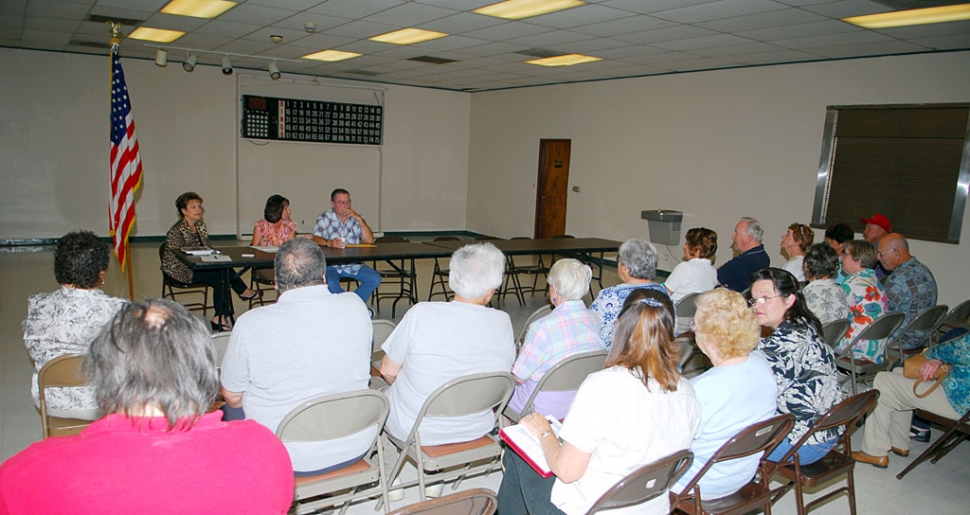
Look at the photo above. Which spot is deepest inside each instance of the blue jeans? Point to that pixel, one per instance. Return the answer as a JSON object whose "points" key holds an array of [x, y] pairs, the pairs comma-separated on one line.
{"points": [[807, 454], [368, 278], [523, 491]]}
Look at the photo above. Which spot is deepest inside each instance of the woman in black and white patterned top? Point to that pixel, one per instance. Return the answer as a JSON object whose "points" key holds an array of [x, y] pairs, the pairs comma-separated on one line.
{"points": [[803, 365], [66, 320]]}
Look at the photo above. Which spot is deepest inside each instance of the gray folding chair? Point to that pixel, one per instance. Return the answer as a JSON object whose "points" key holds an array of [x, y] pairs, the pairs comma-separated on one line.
{"points": [[955, 318], [927, 322], [685, 308], [220, 343], [60, 372], [881, 328], [477, 501], [646, 483], [536, 315], [833, 331], [382, 330], [467, 395], [564, 376], [328, 418]]}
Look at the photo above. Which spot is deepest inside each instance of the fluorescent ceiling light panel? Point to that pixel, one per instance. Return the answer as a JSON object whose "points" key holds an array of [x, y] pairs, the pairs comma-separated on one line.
{"points": [[198, 8], [156, 35], [519, 9], [564, 60], [331, 56], [408, 36], [912, 17]]}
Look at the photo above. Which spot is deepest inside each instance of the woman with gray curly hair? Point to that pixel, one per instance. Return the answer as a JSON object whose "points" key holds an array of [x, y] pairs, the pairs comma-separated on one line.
{"points": [[570, 329], [636, 264], [154, 375]]}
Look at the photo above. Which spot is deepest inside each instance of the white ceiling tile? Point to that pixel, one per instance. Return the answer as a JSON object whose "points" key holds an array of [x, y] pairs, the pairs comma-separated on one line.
{"points": [[954, 28], [666, 34], [663, 57], [10, 34], [361, 29], [697, 64], [255, 14], [289, 36], [409, 15], [589, 45], [762, 20], [244, 46], [110, 12], [582, 15], [716, 10], [507, 31], [786, 56], [52, 9], [462, 5], [493, 49], [846, 8], [288, 51], [363, 46], [85, 2], [46, 36], [461, 22], [954, 42], [851, 38], [202, 41], [53, 25], [324, 41], [97, 29], [44, 45], [629, 25], [702, 42], [172, 22], [801, 3], [292, 5], [450, 43], [731, 50], [138, 5], [13, 7], [296, 21], [556, 37], [888, 47], [402, 52], [354, 9], [821, 28], [11, 21], [651, 6], [630, 51], [226, 29]]}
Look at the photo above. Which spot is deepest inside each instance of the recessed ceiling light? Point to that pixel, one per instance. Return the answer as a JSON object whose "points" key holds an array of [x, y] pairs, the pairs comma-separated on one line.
{"points": [[198, 8], [564, 60], [408, 36], [518, 9], [156, 35], [331, 56], [912, 17]]}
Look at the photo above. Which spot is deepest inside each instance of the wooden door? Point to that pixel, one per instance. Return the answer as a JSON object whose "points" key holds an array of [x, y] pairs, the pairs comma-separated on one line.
{"points": [[551, 187]]}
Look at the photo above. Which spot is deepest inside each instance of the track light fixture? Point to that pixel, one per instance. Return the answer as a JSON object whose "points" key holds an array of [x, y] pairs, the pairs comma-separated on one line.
{"points": [[274, 71], [161, 57], [189, 63], [226, 65]]}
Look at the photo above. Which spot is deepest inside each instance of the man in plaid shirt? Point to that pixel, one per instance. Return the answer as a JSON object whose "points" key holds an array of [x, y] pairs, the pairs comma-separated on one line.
{"points": [[338, 227]]}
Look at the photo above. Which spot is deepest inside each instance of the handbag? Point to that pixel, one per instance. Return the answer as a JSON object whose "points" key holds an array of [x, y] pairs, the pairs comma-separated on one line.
{"points": [[911, 369]]}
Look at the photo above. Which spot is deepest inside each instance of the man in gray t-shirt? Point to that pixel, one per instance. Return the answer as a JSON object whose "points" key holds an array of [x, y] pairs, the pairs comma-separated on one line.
{"points": [[440, 341], [309, 344]]}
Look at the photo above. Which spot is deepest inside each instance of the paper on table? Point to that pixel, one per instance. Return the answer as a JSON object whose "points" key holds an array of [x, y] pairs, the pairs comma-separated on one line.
{"points": [[214, 258], [527, 446], [198, 251], [271, 249]]}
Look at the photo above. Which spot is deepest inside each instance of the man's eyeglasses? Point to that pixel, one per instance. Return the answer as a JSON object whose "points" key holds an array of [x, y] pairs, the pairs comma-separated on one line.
{"points": [[887, 251]]}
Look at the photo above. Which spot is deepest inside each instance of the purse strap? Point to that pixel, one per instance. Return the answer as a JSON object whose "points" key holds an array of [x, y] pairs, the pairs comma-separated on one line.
{"points": [[944, 371]]}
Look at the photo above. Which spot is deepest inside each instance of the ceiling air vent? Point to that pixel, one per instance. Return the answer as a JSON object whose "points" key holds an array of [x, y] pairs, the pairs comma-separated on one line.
{"points": [[431, 60]]}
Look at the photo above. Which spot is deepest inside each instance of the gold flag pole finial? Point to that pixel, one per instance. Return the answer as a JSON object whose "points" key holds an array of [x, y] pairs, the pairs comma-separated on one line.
{"points": [[115, 32]]}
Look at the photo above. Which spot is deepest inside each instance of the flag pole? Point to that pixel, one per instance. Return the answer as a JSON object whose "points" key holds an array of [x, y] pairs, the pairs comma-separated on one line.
{"points": [[131, 284]]}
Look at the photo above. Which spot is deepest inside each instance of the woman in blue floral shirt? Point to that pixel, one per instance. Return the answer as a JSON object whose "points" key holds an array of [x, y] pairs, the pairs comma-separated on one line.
{"points": [[803, 365]]}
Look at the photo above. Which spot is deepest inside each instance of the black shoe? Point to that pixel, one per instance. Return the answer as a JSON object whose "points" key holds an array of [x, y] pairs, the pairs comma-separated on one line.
{"points": [[217, 327], [920, 435], [257, 294]]}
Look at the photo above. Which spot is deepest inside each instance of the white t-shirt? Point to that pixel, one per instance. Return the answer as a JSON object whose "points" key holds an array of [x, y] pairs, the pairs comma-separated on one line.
{"points": [[796, 266], [694, 276], [309, 344], [624, 426], [435, 343]]}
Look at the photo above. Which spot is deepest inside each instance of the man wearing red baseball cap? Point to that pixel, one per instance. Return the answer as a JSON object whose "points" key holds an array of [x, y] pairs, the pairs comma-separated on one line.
{"points": [[876, 227]]}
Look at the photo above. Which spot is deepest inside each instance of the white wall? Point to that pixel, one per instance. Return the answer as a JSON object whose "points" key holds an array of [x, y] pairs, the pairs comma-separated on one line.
{"points": [[54, 151], [717, 145]]}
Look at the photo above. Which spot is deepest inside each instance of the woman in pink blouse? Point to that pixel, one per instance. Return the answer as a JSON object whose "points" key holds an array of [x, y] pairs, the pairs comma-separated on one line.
{"points": [[276, 227]]}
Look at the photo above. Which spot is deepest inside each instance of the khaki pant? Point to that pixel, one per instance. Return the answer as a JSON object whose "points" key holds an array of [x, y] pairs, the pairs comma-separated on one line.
{"points": [[888, 425]]}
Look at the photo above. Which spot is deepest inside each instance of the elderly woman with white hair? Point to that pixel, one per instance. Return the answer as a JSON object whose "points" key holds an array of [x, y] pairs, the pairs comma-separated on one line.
{"points": [[570, 329], [636, 264]]}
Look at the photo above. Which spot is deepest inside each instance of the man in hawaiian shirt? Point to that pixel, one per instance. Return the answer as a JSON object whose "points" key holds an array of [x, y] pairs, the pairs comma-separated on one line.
{"points": [[336, 228], [910, 289]]}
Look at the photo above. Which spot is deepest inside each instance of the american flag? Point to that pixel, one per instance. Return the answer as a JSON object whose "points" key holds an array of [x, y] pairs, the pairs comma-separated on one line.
{"points": [[125, 173]]}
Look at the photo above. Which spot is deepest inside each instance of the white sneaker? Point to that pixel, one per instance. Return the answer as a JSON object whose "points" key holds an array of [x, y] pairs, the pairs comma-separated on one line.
{"points": [[396, 494], [434, 491]]}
